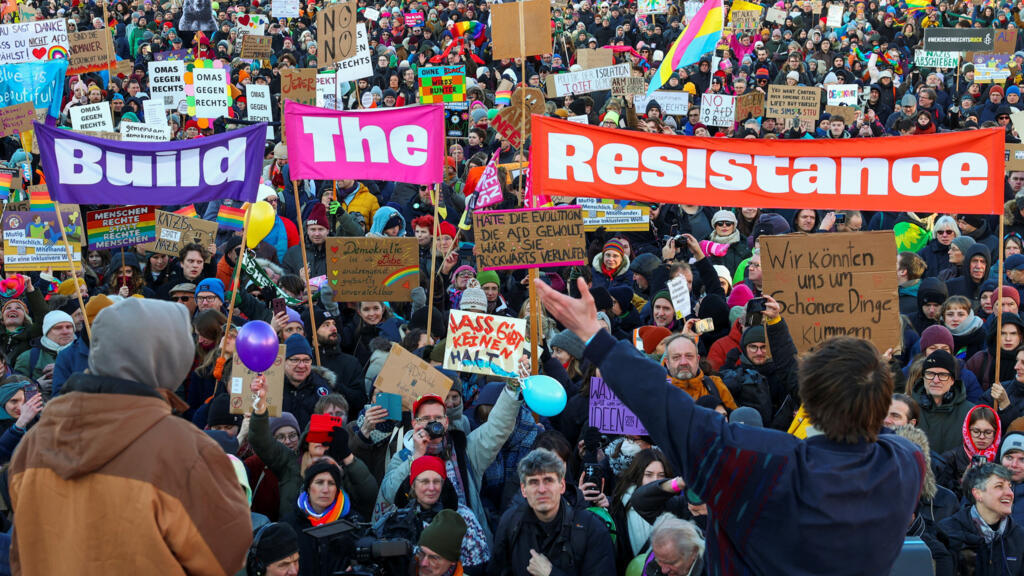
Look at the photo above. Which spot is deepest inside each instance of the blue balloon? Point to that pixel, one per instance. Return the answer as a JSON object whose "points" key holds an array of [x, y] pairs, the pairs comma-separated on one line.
{"points": [[544, 395], [256, 345]]}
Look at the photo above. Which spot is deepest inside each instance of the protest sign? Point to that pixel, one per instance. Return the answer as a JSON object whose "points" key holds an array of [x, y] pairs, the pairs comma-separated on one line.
{"points": [[210, 97], [167, 81], [717, 110], [153, 112], [407, 375], [484, 344], [488, 187], [589, 58], [91, 51], [32, 240], [959, 39], [96, 171], [371, 14], [580, 119], [34, 41], [1014, 155], [597, 213], [960, 171], [256, 47], [515, 239], [41, 83], [442, 84], [359, 65], [679, 292], [585, 81], [652, 6], [385, 269], [784, 103], [842, 94], [934, 59], [526, 21], [249, 25], [171, 55], [336, 31], [672, 103], [299, 85], [143, 132], [16, 118], [117, 227], [329, 144], [258, 101], [775, 15], [414, 19], [835, 16], [828, 285], [990, 68], [750, 105], [849, 114], [284, 8], [609, 415], [456, 120], [510, 122], [327, 90], [92, 117], [629, 86], [745, 20], [690, 8], [174, 231], [241, 384]]}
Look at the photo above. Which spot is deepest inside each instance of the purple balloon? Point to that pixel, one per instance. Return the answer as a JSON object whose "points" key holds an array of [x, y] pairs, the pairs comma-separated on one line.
{"points": [[256, 345]]}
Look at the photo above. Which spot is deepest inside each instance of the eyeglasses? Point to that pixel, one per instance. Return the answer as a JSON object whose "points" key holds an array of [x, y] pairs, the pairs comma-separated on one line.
{"points": [[717, 224], [943, 232], [982, 433], [940, 376], [299, 361], [429, 419], [209, 298], [181, 298], [286, 437]]}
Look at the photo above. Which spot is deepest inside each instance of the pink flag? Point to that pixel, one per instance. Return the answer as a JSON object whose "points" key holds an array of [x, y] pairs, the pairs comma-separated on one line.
{"points": [[488, 188]]}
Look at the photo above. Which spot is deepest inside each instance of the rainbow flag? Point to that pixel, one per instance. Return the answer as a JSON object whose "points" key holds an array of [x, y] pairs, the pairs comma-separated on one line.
{"points": [[39, 201], [229, 218], [503, 97], [187, 211], [6, 178], [700, 37], [915, 5], [475, 29]]}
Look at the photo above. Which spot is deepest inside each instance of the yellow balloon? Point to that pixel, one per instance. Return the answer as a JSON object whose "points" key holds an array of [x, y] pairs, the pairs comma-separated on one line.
{"points": [[261, 221]]}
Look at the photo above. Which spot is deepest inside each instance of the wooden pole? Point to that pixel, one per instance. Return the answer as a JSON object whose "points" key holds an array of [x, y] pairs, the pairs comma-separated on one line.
{"points": [[532, 274], [433, 268], [999, 296], [305, 266], [74, 273], [238, 272]]}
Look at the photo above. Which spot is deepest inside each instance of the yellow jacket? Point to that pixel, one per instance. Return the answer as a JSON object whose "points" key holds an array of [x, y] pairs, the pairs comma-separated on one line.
{"points": [[363, 202]]}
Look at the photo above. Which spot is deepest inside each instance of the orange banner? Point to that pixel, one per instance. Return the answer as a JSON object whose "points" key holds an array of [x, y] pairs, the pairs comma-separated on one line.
{"points": [[955, 172]]}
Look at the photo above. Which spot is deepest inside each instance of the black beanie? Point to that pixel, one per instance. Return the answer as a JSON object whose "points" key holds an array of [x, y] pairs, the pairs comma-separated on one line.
{"points": [[319, 467], [940, 359], [220, 412], [751, 335], [602, 298], [277, 541]]}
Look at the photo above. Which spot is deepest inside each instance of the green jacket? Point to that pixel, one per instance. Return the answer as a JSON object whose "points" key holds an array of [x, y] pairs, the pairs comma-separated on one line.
{"points": [[943, 424], [16, 343]]}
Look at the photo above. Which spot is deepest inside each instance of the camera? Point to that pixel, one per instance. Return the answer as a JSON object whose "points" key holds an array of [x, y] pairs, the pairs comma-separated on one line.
{"points": [[351, 549], [434, 429], [755, 312], [377, 557], [840, 218]]}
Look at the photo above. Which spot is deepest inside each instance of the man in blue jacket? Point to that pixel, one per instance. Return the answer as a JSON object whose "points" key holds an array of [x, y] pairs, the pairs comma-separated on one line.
{"points": [[837, 503]]}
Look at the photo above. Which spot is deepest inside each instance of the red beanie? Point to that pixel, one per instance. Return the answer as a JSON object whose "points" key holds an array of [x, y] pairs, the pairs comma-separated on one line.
{"points": [[424, 463], [448, 229], [317, 216]]}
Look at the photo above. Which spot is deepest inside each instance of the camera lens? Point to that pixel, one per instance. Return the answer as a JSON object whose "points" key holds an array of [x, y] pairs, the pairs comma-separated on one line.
{"points": [[434, 429]]}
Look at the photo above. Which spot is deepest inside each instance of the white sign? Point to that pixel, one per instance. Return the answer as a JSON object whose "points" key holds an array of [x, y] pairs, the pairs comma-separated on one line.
{"points": [[34, 41], [690, 9], [211, 90], [142, 132], [94, 117], [717, 110], [358, 66], [371, 14], [327, 90], [672, 103], [842, 94], [835, 16], [167, 81], [284, 8], [255, 25], [936, 59], [154, 112], [257, 100], [775, 15], [581, 119], [592, 80], [652, 7], [679, 291]]}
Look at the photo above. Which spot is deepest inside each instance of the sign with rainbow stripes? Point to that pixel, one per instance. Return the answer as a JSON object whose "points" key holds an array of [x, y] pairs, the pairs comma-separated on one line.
{"points": [[119, 227], [34, 41], [230, 218], [381, 269]]}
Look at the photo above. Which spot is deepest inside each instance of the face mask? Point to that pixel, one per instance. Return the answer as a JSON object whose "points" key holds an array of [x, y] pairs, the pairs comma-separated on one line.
{"points": [[207, 345], [629, 448]]}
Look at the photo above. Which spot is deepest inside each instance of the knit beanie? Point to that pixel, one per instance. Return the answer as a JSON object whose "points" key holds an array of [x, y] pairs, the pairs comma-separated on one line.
{"points": [[1011, 293], [936, 334], [55, 317], [220, 412], [963, 243], [319, 467], [473, 300], [444, 535], [296, 344], [652, 336], [67, 287], [740, 295], [623, 295], [602, 298], [752, 335], [485, 277], [277, 541], [448, 229], [735, 313], [214, 285], [95, 304], [569, 342], [317, 216], [285, 419], [662, 295], [724, 274], [425, 463], [7, 391], [723, 216], [940, 359], [616, 244]]}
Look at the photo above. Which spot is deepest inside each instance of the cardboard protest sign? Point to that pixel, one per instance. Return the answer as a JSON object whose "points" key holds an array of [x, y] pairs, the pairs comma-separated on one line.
{"points": [[929, 59], [849, 114], [299, 85], [672, 103], [1005, 41], [829, 285], [585, 81], [785, 103], [174, 231], [210, 97], [628, 86], [249, 25], [336, 31], [633, 217], [717, 110], [256, 47], [373, 268], [484, 343], [510, 121], [91, 51], [119, 227], [750, 105], [1014, 157], [241, 383], [679, 292], [589, 58], [529, 20], [92, 117], [514, 239], [609, 415], [167, 81], [745, 20], [144, 132], [16, 118], [442, 84], [835, 16], [34, 41], [959, 39], [32, 240], [359, 65], [410, 377], [842, 94]]}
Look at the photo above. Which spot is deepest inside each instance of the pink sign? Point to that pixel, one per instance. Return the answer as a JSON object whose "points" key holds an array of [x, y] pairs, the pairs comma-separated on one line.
{"points": [[414, 19], [404, 144], [488, 188]]}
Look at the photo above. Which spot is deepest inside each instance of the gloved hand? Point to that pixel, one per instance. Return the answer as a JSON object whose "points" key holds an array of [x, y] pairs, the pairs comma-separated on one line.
{"points": [[338, 447], [232, 294], [333, 208]]}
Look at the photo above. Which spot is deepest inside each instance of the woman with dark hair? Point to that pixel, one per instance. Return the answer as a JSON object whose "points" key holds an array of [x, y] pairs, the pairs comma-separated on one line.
{"points": [[124, 277], [634, 532], [373, 319], [981, 434], [202, 384]]}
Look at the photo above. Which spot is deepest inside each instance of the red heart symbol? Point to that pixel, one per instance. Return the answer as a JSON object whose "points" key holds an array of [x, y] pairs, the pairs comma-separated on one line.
{"points": [[405, 285], [334, 249], [39, 53], [817, 323], [244, 20]]}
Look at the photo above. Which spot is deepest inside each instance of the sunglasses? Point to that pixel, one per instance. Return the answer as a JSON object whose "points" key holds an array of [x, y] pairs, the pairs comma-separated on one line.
{"points": [[181, 298], [943, 232]]}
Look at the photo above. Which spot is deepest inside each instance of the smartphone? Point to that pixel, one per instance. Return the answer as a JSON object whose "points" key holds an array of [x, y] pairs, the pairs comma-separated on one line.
{"points": [[840, 218], [755, 312], [321, 427], [278, 306], [31, 390], [705, 325], [392, 403]]}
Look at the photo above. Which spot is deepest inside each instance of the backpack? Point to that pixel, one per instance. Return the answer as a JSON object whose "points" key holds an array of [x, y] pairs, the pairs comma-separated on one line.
{"points": [[749, 388], [606, 518]]}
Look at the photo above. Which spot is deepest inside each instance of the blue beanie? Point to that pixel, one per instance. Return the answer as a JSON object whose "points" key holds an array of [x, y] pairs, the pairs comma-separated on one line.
{"points": [[296, 344], [1013, 90], [211, 285], [7, 391]]}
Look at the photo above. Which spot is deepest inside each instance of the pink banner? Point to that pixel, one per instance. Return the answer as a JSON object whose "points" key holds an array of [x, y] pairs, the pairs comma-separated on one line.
{"points": [[399, 144]]}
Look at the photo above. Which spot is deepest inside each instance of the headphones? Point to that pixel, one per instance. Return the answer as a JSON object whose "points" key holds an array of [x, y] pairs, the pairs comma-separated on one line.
{"points": [[253, 565]]}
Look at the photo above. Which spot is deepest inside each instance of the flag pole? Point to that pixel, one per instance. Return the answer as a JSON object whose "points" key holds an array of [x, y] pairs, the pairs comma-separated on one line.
{"points": [[305, 266], [74, 273], [433, 268], [532, 273]]}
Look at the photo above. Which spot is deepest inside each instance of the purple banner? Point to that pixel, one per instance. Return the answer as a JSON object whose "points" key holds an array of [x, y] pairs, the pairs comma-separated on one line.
{"points": [[82, 169], [609, 415]]}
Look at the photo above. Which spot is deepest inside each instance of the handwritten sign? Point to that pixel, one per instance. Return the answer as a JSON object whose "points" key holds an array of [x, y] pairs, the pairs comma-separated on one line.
{"points": [[407, 375], [788, 102], [750, 105], [628, 86], [442, 84], [32, 240], [835, 16], [842, 94], [119, 227], [336, 30], [34, 41], [830, 285], [934, 59], [514, 239], [775, 15], [145, 132], [679, 292], [16, 118], [373, 268], [609, 415], [241, 382], [586, 81], [717, 110], [359, 65], [672, 103], [510, 121], [484, 343], [91, 51], [745, 20], [174, 231], [256, 47], [299, 84]]}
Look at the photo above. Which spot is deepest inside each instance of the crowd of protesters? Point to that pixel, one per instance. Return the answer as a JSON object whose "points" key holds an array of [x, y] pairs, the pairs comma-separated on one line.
{"points": [[106, 431]]}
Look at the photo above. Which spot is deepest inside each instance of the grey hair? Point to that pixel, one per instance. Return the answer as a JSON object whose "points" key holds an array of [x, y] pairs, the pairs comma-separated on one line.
{"points": [[540, 461], [944, 222], [682, 533], [977, 476]]}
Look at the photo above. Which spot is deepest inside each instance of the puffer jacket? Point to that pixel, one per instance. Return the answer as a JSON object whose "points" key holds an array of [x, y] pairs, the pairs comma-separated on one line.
{"points": [[363, 202], [623, 276], [1003, 555]]}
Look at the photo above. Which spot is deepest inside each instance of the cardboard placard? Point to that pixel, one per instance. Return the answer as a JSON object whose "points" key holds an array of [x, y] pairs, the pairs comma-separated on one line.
{"points": [[787, 102], [143, 132], [745, 20], [34, 41], [775, 15], [672, 103], [931, 59], [834, 285], [530, 19], [849, 114], [750, 105], [32, 240], [92, 117], [258, 102], [173, 231], [1014, 157], [91, 51], [484, 343], [410, 377], [842, 94], [516, 239], [717, 110], [633, 217], [256, 47], [589, 58], [241, 382], [385, 269], [119, 227], [16, 118], [510, 122], [609, 415], [835, 16], [360, 65], [336, 31], [299, 84], [628, 86]]}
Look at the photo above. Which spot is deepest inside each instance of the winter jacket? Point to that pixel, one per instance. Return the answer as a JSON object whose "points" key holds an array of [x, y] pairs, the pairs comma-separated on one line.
{"points": [[362, 202], [1015, 394], [765, 488], [14, 343], [301, 400], [623, 276], [316, 256], [983, 364], [1003, 555], [721, 348], [24, 365], [943, 423], [142, 491], [936, 256], [779, 376], [965, 285], [71, 360], [356, 336]]}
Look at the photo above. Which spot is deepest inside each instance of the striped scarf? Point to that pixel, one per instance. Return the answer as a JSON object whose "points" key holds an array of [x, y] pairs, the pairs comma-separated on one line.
{"points": [[336, 510]]}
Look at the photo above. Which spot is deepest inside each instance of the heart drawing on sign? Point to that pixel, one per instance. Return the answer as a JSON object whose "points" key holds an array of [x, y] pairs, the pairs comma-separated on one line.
{"points": [[334, 249], [244, 20], [39, 53]]}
